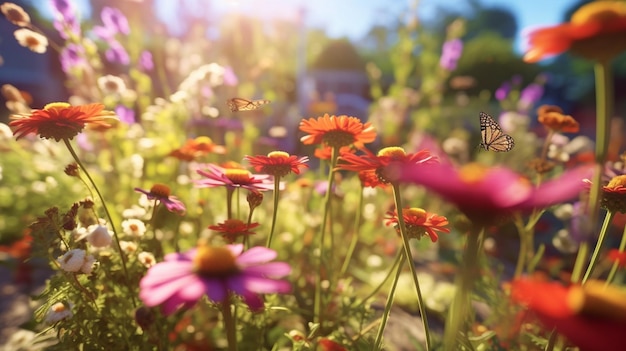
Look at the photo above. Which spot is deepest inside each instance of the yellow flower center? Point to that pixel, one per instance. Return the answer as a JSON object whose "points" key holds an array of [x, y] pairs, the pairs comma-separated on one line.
{"points": [[278, 154], [415, 212], [617, 182], [599, 11], [473, 173], [204, 140], [53, 105], [393, 152], [237, 175], [214, 261], [160, 190]]}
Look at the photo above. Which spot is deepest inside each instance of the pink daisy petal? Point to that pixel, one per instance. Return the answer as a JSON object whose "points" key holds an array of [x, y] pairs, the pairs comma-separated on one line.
{"points": [[156, 294], [271, 269], [256, 255], [267, 286], [165, 272]]}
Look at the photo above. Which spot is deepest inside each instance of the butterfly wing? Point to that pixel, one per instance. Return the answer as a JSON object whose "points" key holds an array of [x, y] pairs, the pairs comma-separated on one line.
{"points": [[240, 104], [492, 136]]}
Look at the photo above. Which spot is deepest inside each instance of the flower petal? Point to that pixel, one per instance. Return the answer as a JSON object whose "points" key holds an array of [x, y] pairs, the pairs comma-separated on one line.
{"points": [[256, 255]]}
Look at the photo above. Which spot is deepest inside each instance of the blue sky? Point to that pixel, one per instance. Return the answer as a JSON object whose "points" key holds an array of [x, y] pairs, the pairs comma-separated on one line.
{"points": [[353, 18]]}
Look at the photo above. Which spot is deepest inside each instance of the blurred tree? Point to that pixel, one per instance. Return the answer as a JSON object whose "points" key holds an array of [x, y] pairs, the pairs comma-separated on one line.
{"points": [[340, 55], [493, 19]]}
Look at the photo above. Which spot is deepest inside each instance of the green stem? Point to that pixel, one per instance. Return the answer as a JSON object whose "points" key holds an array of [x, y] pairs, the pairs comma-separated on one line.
{"points": [[407, 252], [355, 235], [108, 214], [604, 112], [390, 297], [596, 250], [399, 257], [318, 284], [275, 214], [229, 202], [521, 257], [229, 324], [621, 249], [465, 282], [551, 341], [581, 258]]}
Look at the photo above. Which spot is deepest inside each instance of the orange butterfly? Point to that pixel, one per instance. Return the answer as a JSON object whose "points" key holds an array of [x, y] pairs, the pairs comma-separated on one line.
{"points": [[239, 104]]}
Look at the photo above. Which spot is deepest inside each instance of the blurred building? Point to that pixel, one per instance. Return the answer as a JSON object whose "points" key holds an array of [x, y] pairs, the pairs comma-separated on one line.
{"points": [[337, 83]]}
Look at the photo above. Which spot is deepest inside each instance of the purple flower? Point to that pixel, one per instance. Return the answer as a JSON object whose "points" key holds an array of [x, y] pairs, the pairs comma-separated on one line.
{"points": [[104, 33], [484, 194], [117, 53], [115, 20], [145, 61], [63, 7], [66, 26], [450, 54], [183, 278], [530, 95], [161, 193], [229, 76], [581, 229], [71, 56], [503, 91], [126, 115], [233, 178]]}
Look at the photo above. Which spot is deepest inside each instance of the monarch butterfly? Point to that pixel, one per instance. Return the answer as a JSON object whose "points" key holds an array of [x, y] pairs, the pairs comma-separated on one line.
{"points": [[492, 136], [239, 104]]}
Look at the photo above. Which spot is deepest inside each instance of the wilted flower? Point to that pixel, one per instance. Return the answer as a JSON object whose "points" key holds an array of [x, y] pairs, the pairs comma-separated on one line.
{"points": [[337, 131], [419, 223], [614, 194], [552, 117], [278, 163], [596, 31], [161, 193], [32, 40], [58, 312], [76, 260], [15, 14], [183, 278], [59, 120]]}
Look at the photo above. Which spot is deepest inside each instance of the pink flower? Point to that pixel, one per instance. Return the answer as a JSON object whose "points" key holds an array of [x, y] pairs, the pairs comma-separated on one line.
{"points": [[161, 193], [484, 194], [233, 178], [183, 278]]}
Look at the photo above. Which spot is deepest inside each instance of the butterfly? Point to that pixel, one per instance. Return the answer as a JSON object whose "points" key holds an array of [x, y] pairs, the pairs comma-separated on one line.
{"points": [[492, 136], [239, 104]]}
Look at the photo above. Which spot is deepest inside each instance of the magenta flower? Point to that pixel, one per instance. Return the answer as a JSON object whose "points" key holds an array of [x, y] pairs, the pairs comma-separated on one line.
{"points": [[183, 278], [115, 20], [484, 194], [233, 178], [161, 193], [117, 53], [450, 54], [126, 114], [145, 61]]}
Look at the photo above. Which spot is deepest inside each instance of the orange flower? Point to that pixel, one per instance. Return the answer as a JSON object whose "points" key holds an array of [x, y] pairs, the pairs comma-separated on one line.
{"points": [[596, 31], [194, 148], [380, 163], [370, 179], [59, 120], [325, 152], [231, 229], [553, 118], [592, 316], [337, 131], [278, 163], [419, 223], [614, 194]]}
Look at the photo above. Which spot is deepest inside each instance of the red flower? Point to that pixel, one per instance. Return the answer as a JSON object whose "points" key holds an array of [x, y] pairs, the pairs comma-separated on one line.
{"points": [[337, 131], [596, 31], [60, 120], [419, 223], [592, 316], [278, 163], [614, 255], [231, 229], [197, 147], [380, 163], [614, 194], [325, 152], [329, 345]]}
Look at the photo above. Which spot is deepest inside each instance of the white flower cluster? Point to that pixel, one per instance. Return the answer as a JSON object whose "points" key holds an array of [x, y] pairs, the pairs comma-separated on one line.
{"points": [[77, 260]]}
